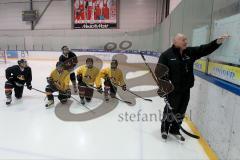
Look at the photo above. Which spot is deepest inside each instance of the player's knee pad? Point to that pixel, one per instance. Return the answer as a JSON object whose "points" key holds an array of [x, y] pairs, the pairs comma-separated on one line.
{"points": [[107, 82], [81, 90], [8, 92], [50, 97], [8, 88], [113, 89], [81, 84], [49, 92], [49, 89], [18, 95], [68, 93], [106, 90], [88, 92], [113, 94], [9, 85], [18, 92], [88, 99], [63, 101], [62, 97]]}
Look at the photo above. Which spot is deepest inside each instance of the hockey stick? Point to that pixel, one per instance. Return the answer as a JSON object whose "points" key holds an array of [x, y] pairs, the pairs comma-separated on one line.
{"points": [[38, 90], [118, 98], [134, 93], [146, 99], [82, 105], [168, 104], [122, 100], [62, 94], [90, 86], [42, 92]]}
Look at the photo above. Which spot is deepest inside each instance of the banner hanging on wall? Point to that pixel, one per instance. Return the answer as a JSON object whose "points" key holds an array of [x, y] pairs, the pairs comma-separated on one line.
{"points": [[95, 14]]}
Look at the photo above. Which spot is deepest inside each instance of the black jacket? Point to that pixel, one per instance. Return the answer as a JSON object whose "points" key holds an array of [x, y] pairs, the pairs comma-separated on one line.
{"points": [[70, 61], [71, 56], [181, 66], [13, 72]]}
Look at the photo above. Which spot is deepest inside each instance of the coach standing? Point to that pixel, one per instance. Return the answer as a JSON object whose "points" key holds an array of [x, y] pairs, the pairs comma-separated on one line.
{"points": [[180, 61]]}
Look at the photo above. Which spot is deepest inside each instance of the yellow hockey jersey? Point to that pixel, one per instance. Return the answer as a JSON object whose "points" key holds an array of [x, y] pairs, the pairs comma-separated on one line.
{"points": [[61, 80], [89, 75], [116, 76]]}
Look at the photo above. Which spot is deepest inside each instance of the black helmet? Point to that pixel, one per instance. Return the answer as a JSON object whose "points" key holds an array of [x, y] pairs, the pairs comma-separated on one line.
{"points": [[114, 64], [89, 60], [21, 61], [59, 65], [64, 47], [115, 61]]}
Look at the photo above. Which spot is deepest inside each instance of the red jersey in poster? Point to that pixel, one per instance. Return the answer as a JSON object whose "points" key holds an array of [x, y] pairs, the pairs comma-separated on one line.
{"points": [[105, 10], [79, 10], [89, 6], [97, 11]]}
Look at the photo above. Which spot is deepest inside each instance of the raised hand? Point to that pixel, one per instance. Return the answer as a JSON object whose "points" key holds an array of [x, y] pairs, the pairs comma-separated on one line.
{"points": [[222, 38]]}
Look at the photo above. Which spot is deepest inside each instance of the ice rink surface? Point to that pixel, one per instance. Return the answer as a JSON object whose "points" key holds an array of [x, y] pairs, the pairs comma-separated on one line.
{"points": [[29, 131]]}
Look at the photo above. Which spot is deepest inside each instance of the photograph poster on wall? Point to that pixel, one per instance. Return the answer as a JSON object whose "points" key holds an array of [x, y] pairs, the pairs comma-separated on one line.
{"points": [[95, 14]]}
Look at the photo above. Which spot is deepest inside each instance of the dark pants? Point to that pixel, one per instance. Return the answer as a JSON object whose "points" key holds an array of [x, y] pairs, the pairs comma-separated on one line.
{"points": [[61, 96], [108, 86], [85, 91], [9, 85], [73, 78], [179, 102]]}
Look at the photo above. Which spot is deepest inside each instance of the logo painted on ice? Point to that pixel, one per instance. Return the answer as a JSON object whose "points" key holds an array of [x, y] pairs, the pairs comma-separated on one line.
{"points": [[63, 111]]}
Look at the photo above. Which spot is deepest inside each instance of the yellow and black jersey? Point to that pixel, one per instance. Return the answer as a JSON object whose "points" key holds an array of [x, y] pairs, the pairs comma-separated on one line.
{"points": [[115, 75], [88, 75], [61, 80]]}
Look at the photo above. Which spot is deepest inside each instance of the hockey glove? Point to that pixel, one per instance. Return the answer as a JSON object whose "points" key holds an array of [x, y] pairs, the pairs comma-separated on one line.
{"points": [[124, 87], [79, 78], [68, 93], [50, 80], [29, 86]]}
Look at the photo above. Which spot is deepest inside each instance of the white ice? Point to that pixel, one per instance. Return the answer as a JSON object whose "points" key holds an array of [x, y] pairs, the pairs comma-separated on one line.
{"points": [[29, 131]]}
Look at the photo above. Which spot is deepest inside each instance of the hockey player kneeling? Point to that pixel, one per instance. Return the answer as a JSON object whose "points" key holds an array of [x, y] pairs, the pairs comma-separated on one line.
{"points": [[58, 82], [17, 76], [86, 76], [111, 75]]}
